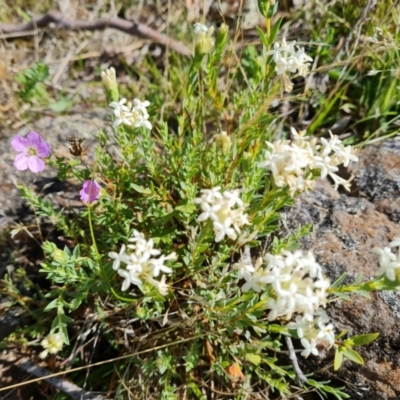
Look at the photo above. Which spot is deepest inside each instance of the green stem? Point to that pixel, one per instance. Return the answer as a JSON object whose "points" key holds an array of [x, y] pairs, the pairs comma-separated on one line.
{"points": [[98, 259]]}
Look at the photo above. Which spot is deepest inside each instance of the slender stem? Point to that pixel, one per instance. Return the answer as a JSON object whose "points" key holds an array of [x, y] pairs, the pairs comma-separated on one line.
{"points": [[98, 259]]}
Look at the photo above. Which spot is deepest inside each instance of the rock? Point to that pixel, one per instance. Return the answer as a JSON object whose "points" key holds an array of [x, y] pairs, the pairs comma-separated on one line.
{"points": [[345, 230]]}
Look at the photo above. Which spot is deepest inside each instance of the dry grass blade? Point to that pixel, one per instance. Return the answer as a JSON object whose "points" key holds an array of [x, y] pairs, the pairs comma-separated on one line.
{"points": [[100, 362]]}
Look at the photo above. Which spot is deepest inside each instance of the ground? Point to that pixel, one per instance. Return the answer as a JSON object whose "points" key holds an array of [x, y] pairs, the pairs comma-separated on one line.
{"points": [[346, 226]]}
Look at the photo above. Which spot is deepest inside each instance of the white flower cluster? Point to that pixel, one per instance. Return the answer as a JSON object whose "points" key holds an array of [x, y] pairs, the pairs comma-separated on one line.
{"points": [[141, 264], [389, 263], [129, 114], [299, 288], [226, 210], [52, 344], [292, 162], [313, 333], [289, 58]]}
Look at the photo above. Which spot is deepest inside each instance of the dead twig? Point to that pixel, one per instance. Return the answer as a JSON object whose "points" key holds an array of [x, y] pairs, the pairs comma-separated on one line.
{"points": [[75, 392], [55, 21], [300, 377]]}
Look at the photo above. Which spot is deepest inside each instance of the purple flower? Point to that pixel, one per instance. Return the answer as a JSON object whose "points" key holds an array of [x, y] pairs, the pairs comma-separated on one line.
{"points": [[31, 150], [90, 192]]}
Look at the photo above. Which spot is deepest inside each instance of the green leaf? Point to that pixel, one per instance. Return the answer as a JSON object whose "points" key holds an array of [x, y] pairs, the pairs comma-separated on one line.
{"points": [[196, 391], [76, 302], [362, 293], [341, 334], [338, 359], [51, 305], [186, 208], [275, 328], [360, 340], [353, 356], [339, 280], [253, 358], [263, 37], [336, 392], [275, 30], [140, 189]]}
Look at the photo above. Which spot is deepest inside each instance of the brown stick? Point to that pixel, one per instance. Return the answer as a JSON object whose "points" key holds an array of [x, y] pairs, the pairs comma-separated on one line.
{"points": [[54, 20], [75, 392]]}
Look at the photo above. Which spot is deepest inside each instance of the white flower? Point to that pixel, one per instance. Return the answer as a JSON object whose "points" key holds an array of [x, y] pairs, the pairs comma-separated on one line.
{"points": [[388, 262], [395, 242], [253, 282], [297, 282], [224, 228], [209, 212], [245, 269], [141, 264], [321, 316], [326, 333], [52, 344], [161, 286], [158, 264], [141, 106], [198, 27], [300, 135], [131, 276], [135, 115], [226, 210], [276, 307], [139, 119], [275, 275], [122, 113], [119, 257], [310, 347], [209, 195], [233, 198], [292, 163], [289, 59], [301, 325]]}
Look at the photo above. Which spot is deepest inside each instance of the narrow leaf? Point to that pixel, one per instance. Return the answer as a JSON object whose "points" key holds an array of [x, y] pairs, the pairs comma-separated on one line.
{"points": [[360, 340], [353, 356], [338, 360], [253, 358]]}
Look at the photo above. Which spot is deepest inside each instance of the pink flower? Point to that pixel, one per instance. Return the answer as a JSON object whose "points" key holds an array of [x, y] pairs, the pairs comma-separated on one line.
{"points": [[90, 192], [31, 150]]}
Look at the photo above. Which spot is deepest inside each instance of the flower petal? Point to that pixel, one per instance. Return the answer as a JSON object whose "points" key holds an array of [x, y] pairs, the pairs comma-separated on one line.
{"points": [[18, 143], [43, 149], [21, 162], [84, 196], [90, 192], [35, 164], [33, 139]]}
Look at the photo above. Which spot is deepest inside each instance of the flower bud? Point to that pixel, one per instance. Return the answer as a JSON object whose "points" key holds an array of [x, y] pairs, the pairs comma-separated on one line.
{"points": [[204, 40], [267, 8], [110, 83], [222, 38], [223, 141], [59, 256]]}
